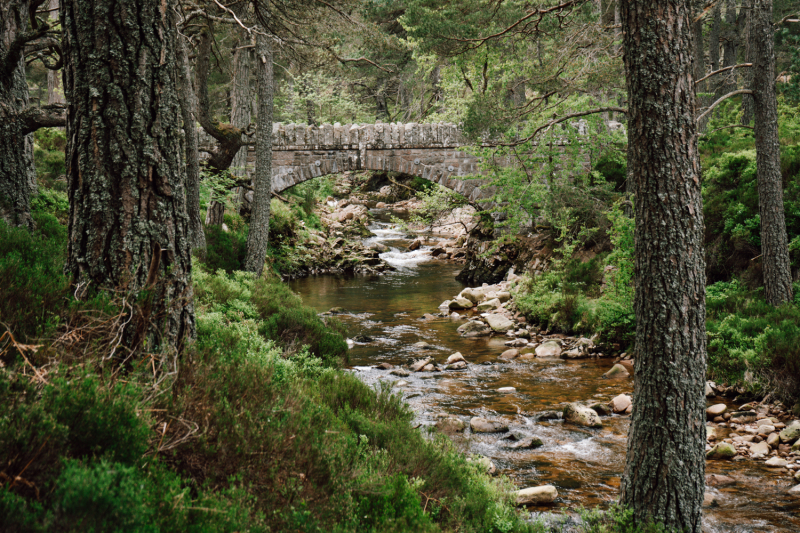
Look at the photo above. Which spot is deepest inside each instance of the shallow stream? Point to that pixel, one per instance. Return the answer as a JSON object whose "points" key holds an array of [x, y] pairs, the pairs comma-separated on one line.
{"points": [[584, 464]]}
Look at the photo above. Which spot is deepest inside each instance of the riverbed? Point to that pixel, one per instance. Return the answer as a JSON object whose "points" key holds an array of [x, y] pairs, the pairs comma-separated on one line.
{"points": [[585, 465]]}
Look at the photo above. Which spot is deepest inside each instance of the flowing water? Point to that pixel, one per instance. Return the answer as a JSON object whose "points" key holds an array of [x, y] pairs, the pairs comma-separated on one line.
{"points": [[584, 464]]}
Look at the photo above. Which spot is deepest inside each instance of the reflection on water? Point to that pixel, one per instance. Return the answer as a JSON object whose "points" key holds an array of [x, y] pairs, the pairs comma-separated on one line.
{"points": [[584, 464]]}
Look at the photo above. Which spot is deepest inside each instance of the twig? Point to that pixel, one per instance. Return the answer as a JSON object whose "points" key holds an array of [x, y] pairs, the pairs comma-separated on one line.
{"points": [[722, 70], [715, 104]]}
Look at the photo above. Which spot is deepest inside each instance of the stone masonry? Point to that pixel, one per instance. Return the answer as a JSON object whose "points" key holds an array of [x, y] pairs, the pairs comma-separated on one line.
{"points": [[431, 151]]}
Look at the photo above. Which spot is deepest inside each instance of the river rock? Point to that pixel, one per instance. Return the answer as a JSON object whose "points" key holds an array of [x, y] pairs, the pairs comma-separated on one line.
{"points": [[716, 410], [489, 305], [534, 495], [550, 415], [602, 409], [722, 450], [400, 383], [384, 366], [399, 372], [503, 296], [767, 430], [617, 371], [428, 368], [474, 328], [776, 461], [458, 365], [508, 355], [414, 245], [627, 365], [711, 433], [791, 432], [574, 353], [506, 389], [743, 417], [719, 480], [451, 424], [709, 390], [526, 354], [474, 294], [795, 491], [445, 304], [527, 443], [621, 403], [517, 343], [454, 358], [418, 365], [499, 323], [759, 448], [550, 348], [582, 416], [484, 425], [460, 303], [424, 345]]}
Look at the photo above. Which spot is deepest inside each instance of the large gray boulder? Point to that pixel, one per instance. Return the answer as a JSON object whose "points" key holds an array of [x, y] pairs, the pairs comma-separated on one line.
{"points": [[499, 323], [582, 416], [460, 303], [722, 450], [533, 495], [474, 294], [484, 425], [489, 305], [474, 328], [550, 348], [791, 432]]}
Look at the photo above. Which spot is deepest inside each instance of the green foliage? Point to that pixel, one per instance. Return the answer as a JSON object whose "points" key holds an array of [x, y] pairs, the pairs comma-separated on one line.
{"points": [[752, 344], [32, 282], [48, 156], [323, 98], [616, 519], [51, 202], [226, 250]]}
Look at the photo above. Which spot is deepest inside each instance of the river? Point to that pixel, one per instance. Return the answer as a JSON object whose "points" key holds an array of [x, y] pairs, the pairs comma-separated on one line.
{"points": [[585, 465]]}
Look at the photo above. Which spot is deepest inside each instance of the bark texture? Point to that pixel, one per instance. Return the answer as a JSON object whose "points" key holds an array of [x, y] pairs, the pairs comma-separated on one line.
{"points": [[192, 158], [55, 93], [258, 237], [747, 99], [128, 227], [15, 149], [664, 471], [774, 242], [731, 39], [241, 99]]}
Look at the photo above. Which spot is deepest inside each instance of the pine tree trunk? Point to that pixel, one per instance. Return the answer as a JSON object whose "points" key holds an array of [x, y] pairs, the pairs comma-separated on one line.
{"points": [[240, 100], [774, 242], [747, 99], [713, 48], [55, 94], [15, 148], [664, 471], [258, 238], [729, 58], [192, 159], [128, 227], [700, 58]]}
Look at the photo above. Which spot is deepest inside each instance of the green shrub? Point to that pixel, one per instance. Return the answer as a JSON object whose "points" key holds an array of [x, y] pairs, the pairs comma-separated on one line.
{"points": [[33, 287], [225, 250]]}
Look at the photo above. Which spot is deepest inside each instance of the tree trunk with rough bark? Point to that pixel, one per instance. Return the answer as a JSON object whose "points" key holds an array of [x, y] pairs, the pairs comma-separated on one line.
{"points": [[192, 159], [241, 99], [713, 48], [17, 176], [258, 237], [774, 242], [747, 99], [729, 59], [664, 471], [55, 94], [699, 57], [128, 227]]}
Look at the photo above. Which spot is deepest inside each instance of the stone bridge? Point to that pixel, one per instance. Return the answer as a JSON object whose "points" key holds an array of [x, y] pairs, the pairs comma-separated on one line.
{"points": [[431, 151]]}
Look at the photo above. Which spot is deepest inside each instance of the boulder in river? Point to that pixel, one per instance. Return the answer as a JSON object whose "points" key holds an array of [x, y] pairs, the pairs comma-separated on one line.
{"points": [[620, 403], [455, 358], [776, 461], [722, 450], [508, 355], [582, 416], [414, 245], [517, 343], [417, 366], [499, 323], [791, 432], [551, 348], [460, 303], [709, 390], [602, 409], [716, 410], [474, 328], [424, 345], [399, 372], [743, 417], [451, 424], [458, 365], [475, 295], [489, 305], [759, 448], [534, 495], [384, 366], [617, 371], [526, 443], [484, 425], [719, 480]]}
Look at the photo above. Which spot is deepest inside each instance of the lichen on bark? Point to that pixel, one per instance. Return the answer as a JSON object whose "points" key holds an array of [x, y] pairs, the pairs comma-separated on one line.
{"points": [[128, 225]]}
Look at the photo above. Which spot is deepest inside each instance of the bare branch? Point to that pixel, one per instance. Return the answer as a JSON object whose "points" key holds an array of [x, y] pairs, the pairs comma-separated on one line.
{"points": [[558, 120], [15, 50], [725, 128], [723, 70], [719, 101], [49, 116]]}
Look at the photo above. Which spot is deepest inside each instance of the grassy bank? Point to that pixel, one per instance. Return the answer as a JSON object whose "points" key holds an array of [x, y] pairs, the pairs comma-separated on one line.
{"points": [[254, 427]]}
